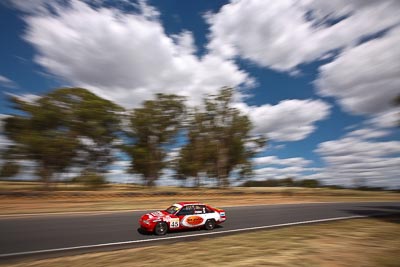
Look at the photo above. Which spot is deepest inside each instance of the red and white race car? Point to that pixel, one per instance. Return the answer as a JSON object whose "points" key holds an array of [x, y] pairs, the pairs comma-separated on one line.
{"points": [[182, 215]]}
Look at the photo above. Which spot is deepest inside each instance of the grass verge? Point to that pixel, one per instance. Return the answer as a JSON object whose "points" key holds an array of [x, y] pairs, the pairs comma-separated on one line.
{"points": [[37, 206], [357, 242], [117, 197]]}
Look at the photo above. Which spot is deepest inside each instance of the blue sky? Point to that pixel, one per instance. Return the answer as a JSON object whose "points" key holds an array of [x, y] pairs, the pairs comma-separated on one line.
{"points": [[315, 77]]}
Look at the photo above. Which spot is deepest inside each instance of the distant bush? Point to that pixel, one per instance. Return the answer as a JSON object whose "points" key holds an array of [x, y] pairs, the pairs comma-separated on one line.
{"points": [[9, 169], [286, 182], [308, 183], [90, 179]]}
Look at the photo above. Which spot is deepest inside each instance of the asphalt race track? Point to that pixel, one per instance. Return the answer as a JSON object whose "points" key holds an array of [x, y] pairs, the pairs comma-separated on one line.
{"points": [[66, 233]]}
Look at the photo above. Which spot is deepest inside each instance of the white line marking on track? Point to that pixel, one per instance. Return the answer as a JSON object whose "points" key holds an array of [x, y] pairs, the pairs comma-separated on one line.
{"points": [[25, 253]]}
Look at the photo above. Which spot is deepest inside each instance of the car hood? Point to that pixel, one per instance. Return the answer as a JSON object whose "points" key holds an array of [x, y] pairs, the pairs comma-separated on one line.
{"points": [[155, 215]]}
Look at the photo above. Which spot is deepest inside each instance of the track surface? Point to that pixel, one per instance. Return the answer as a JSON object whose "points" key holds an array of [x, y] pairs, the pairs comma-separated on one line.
{"points": [[35, 233]]}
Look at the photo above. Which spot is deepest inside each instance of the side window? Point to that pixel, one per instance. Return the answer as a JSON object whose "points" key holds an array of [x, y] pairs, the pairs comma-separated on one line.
{"points": [[186, 210], [199, 209], [208, 210]]}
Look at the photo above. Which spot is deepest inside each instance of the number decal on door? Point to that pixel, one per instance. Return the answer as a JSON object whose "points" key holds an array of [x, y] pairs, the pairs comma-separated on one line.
{"points": [[174, 223]]}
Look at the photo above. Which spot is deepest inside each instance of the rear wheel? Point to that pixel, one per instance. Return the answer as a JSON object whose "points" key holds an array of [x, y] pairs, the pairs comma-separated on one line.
{"points": [[161, 228], [210, 224]]}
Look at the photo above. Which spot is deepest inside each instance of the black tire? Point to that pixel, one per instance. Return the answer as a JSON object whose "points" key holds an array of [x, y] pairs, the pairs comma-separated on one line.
{"points": [[209, 225], [161, 228]]}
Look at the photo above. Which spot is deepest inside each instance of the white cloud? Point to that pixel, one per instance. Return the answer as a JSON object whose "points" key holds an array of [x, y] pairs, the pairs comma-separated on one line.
{"points": [[35, 6], [358, 147], [356, 157], [122, 163], [273, 160], [386, 119], [273, 167], [126, 57], [280, 173], [289, 120], [368, 133], [283, 34], [365, 79], [25, 97], [6, 82], [129, 57]]}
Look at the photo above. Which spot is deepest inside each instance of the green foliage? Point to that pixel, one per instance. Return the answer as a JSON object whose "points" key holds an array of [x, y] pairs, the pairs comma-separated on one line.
{"points": [[72, 127], [50, 131], [9, 169], [311, 183], [154, 126], [39, 135], [218, 141], [91, 180], [286, 182], [95, 122]]}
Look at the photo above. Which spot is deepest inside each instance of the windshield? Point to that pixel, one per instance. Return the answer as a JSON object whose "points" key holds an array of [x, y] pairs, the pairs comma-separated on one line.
{"points": [[172, 209]]}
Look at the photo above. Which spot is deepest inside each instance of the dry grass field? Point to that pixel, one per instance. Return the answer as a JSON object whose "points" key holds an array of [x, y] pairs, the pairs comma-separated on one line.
{"points": [[28, 198]]}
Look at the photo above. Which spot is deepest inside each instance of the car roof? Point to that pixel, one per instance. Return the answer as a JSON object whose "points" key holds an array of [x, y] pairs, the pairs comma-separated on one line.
{"points": [[190, 203]]}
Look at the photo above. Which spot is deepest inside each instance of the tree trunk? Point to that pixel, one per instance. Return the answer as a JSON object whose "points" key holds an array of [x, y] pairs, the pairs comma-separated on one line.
{"points": [[197, 181], [222, 166], [45, 175], [150, 181]]}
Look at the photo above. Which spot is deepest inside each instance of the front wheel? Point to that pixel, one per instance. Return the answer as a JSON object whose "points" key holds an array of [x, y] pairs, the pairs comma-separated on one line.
{"points": [[161, 228], [210, 224]]}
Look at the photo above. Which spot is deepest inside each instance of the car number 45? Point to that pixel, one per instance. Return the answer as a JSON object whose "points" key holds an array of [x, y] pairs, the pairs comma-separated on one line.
{"points": [[174, 223]]}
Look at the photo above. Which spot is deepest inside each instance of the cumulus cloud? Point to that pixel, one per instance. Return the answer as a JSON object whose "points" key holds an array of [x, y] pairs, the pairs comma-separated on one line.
{"points": [[358, 147], [365, 79], [284, 34], [289, 120], [386, 119], [126, 57], [357, 157], [273, 167], [368, 133], [25, 97], [273, 160]]}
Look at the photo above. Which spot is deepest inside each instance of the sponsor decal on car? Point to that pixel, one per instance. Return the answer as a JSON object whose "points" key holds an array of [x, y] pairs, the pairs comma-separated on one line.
{"points": [[193, 221]]}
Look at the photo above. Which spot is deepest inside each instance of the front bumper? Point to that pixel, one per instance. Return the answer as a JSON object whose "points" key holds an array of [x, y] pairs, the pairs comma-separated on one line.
{"points": [[148, 227]]}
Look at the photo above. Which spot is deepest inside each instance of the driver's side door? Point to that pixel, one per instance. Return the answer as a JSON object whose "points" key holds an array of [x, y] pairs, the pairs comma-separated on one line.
{"points": [[183, 215], [191, 216]]}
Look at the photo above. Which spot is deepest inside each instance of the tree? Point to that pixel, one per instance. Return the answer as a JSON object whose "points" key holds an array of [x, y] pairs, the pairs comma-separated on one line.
{"points": [[219, 140], [9, 169], [96, 124], [90, 180], [154, 126], [311, 183], [65, 127], [193, 155]]}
